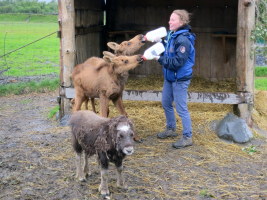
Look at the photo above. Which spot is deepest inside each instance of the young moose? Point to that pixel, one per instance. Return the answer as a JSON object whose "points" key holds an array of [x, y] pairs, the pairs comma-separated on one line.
{"points": [[111, 139], [80, 74], [104, 78]]}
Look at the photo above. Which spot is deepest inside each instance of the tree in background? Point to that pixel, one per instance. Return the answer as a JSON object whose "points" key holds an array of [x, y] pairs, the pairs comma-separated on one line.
{"points": [[259, 34], [28, 6]]}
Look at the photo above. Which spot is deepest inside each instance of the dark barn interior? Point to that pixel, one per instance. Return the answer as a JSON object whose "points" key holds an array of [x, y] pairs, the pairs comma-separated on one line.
{"points": [[214, 23]]}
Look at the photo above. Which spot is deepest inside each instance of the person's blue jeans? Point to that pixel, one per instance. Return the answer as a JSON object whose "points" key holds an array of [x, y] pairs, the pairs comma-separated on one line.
{"points": [[177, 92]]}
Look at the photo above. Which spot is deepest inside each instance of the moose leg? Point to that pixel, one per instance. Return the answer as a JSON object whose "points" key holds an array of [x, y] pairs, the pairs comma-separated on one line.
{"points": [[86, 103], [119, 105], [79, 172], [78, 102], [103, 105], [93, 104]]}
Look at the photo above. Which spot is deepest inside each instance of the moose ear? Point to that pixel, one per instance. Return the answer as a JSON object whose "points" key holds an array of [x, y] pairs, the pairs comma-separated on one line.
{"points": [[108, 54], [108, 57], [113, 45]]}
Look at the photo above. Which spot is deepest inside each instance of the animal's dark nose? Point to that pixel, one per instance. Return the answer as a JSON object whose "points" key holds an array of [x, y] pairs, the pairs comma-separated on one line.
{"points": [[142, 38], [140, 59]]}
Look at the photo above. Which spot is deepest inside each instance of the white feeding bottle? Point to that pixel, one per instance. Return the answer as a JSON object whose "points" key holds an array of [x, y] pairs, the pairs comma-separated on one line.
{"points": [[153, 51], [156, 34]]}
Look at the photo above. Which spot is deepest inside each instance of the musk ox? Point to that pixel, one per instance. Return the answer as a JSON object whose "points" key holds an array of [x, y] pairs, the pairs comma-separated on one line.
{"points": [[111, 139]]}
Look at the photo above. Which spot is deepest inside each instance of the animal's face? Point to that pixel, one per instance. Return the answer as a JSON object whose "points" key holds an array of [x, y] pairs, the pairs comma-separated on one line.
{"points": [[128, 47], [125, 135], [125, 63]]}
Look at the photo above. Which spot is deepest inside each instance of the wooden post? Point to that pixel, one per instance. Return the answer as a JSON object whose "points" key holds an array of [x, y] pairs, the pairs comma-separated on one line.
{"points": [[67, 50], [244, 55]]}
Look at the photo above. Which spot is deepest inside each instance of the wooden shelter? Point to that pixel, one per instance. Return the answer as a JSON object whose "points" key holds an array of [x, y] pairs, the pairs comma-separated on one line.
{"points": [[222, 27]]}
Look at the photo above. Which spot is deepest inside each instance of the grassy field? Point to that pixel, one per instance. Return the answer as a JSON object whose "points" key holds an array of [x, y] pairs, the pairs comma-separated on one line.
{"points": [[261, 71], [41, 57], [261, 78]]}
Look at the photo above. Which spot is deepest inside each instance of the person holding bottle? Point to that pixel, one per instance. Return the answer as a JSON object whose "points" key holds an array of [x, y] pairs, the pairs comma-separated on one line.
{"points": [[177, 60]]}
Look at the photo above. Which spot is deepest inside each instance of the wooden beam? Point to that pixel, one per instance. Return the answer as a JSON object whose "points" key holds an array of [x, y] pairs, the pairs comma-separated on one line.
{"points": [[67, 53], [244, 55], [195, 97]]}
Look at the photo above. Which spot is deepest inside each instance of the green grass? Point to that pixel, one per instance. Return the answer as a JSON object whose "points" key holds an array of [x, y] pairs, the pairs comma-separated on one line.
{"points": [[261, 84], [41, 57], [53, 112], [250, 150], [260, 71], [29, 87]]}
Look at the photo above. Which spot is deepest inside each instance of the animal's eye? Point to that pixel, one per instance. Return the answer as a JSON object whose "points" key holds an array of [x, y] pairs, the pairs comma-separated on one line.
{"points": [[131, 134], [129, 43], [121, 136], [126, 61]]}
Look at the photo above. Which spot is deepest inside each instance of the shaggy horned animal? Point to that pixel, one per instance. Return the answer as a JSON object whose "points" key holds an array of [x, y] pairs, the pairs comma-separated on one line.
{"points": [[124, 48], [110, 138], [104, 78]]}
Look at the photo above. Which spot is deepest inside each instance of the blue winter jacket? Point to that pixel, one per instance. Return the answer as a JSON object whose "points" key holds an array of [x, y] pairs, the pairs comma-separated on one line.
{"points": [[179, 56]]}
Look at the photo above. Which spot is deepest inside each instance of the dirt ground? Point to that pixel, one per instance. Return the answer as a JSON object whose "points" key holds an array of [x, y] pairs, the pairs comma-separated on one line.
{"points": [[37, 161]]}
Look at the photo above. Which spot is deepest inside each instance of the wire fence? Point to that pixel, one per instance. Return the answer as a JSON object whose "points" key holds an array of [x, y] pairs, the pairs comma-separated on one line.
{"points": [[28, 53]]}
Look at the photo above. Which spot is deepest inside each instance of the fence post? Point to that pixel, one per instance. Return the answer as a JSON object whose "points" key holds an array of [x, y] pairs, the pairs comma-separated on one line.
{"points": [[244, 56], [66, 19]]}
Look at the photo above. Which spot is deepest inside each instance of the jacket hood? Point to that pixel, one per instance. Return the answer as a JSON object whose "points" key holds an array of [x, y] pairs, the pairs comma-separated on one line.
{"points": [[184, 29]]}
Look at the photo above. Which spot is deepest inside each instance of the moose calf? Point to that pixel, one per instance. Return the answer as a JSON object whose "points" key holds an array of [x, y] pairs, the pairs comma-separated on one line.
{"points": [[104, 78], [126, 48]]}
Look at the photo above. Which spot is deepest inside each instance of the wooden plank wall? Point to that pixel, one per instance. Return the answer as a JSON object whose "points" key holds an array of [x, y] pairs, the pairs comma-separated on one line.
{"points": [[208, 17], [89, 38]]}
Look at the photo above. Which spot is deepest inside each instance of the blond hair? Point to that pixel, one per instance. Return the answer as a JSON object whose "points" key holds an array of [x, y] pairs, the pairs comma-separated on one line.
{"points": [[184, 15]]}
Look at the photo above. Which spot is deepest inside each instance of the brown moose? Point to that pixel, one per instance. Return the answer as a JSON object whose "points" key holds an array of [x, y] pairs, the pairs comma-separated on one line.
{"points": [[86, 80], [103, 78], [128, 47]]}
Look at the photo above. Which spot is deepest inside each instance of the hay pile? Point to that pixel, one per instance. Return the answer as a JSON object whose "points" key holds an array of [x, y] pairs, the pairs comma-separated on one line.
{"points": [[149, 116], [259, 113], [154, 82]]}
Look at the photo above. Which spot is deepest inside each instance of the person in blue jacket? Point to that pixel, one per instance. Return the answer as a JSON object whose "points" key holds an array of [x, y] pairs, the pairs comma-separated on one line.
{"points": [[177, 61]]}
